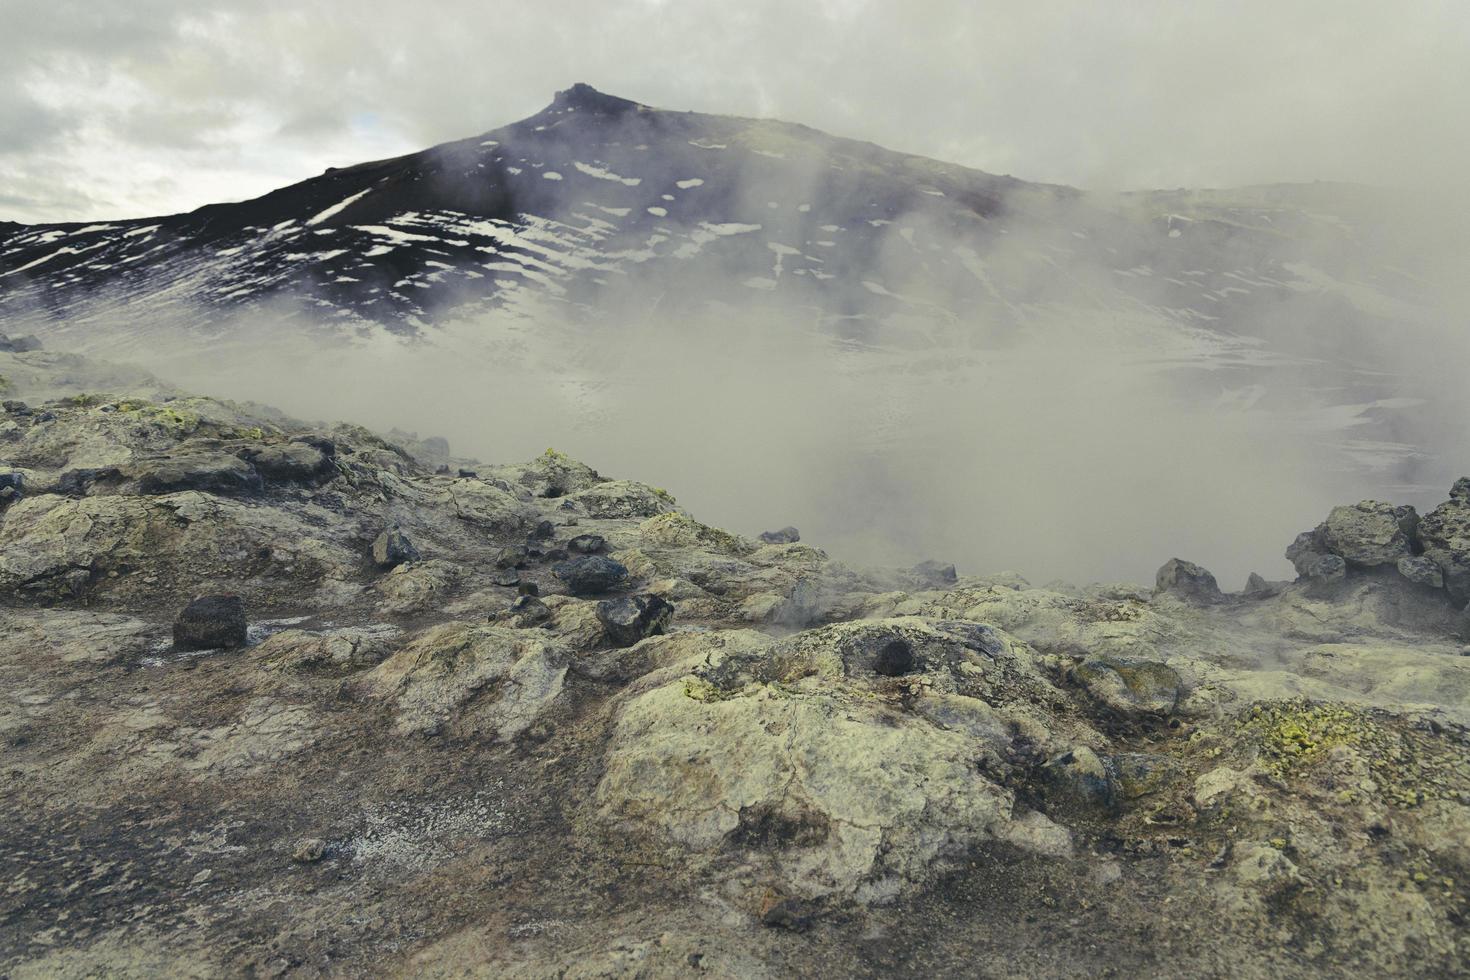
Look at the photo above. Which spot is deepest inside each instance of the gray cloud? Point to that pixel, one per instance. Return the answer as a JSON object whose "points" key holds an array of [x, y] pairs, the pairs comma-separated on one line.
{"points": [[163, 105]]}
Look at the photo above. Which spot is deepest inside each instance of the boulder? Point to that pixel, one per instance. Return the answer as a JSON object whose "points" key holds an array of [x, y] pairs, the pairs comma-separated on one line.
{"points": [[1304, 550], [590, 574], [633, 618], [586, 544], [1444, 533], [528, 611], [214, 472], [392, 548], [787, 535], [1421, 571], [1324, 569], [1368, 533], [1188, 581], [799, 771], [211, 622]]}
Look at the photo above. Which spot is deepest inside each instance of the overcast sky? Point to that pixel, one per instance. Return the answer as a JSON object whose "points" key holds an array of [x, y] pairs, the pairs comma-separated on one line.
{"points": [[114, 108]]}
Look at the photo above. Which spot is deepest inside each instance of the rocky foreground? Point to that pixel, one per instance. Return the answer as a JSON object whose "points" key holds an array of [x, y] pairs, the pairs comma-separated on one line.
{"points": [[290, 699]]}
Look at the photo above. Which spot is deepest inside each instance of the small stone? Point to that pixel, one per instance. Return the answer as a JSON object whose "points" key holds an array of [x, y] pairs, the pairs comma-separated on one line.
{"points": [[509, 577], [468, 475], [512, 557], [590, 574], [528, 611], [393, 548], [544, 531], [1188, 581], [211, 622], [780, 912], [633, 618], [586, 544], [787, 535], [309, 850], [528, 588]]}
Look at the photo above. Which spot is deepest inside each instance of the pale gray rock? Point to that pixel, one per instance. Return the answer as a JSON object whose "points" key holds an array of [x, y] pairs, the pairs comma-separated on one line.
{"points": [[1368, 534], [1188, 581]]}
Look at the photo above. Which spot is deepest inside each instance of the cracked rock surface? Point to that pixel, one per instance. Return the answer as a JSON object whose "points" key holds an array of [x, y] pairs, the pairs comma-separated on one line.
{"points": [[441, 769]]}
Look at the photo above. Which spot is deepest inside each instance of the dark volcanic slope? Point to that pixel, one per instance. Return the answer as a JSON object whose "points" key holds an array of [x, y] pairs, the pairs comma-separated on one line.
{"points": [[595, 192]]}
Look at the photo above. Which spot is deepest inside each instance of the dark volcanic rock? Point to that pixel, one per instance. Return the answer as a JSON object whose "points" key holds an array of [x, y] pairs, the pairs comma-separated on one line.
{"points": [[211, 471], [1421, 571], [80, 481], [12, 485], [590, 574], [1324, 568], [1445, 535], [392, 548], [543, 531], [1188, 581], [320, 443], [515, 556], [211, 622], [787, 535], [509, 577], [1078, 783], [633, 618], [586, 544], [1304, 550], [294, 462], [528, 611]]}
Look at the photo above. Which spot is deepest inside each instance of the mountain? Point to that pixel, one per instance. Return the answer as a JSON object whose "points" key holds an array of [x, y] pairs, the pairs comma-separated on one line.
{"points": [[595, 191], [1292, 297]]}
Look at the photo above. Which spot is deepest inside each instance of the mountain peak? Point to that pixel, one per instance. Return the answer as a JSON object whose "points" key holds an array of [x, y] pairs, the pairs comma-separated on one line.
{"points": [[585, 98]]}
